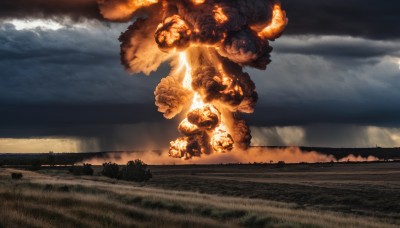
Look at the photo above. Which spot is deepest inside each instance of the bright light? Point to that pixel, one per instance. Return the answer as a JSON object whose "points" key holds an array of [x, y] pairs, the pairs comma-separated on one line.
{"points": [[34, 24], [39, 145]]}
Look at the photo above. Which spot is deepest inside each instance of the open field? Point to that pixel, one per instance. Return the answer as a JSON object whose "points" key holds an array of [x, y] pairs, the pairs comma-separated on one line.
{"points": [[369, 189], [302, 195]]}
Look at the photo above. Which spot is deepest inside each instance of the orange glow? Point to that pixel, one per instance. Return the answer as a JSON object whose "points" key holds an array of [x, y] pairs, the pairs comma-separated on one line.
{"points": [[142, 3], [232, 86], [219, 15], [202, 118], [208, 44], [176, 30], [187, 80], [187, 128], [177, 147], [121, 10], [198, 2], [276, 26], [206, 117], [221, 140]]}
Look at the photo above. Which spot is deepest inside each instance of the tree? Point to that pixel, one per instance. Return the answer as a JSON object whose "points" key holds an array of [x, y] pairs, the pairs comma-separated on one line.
{"points": [[110, 170], [135, 171], [87, 169]]}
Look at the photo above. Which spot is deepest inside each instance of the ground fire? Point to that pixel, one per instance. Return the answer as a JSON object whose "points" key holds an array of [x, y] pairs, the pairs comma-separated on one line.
{"points": [[207, 43]]}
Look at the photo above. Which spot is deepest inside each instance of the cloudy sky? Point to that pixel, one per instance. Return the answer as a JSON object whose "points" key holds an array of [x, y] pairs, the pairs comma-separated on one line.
{"points": [[334, 80]]}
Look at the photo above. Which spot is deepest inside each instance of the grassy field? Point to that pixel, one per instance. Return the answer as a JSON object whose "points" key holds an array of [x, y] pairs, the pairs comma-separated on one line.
{"points": [[303, 195]]}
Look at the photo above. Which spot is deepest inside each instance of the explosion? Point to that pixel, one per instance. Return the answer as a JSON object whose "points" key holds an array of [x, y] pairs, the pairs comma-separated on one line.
{"points": [[207, 42]]}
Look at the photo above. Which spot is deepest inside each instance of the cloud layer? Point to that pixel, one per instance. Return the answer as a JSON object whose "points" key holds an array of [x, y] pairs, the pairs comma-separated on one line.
{"points": [[333, 80]]}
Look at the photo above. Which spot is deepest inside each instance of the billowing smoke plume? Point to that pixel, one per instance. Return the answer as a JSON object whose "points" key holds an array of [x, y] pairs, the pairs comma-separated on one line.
{"points": [[207, 42], [171, 97]]}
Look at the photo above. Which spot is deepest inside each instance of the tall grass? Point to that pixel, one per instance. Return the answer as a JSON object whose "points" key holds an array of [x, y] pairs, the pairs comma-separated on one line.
{"points": [[40, 200]]}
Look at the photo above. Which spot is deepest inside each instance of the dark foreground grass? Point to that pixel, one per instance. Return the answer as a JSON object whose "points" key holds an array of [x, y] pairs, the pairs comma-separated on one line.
{"points": [[363, 189], [232, 197]]}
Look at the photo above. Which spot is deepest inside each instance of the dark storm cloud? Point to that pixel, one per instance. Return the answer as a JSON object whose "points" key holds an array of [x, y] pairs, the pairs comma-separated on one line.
{"points": [[76, 9], [309, 87], [336, 113], [327, 135], [77, 114], [372, 19], [72, 77], [336, 46], [69, 82], [67, 66]]}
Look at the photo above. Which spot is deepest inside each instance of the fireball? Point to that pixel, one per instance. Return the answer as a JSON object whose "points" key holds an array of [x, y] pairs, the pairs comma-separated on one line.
{"points": [[207, 43]]}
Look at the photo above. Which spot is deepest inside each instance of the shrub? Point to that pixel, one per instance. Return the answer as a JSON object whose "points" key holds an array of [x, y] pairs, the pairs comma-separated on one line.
{"points": [[280, 164], [135, 171], [110, 170], [64, 188], [86, 169], [16, 176], [75, 170]]}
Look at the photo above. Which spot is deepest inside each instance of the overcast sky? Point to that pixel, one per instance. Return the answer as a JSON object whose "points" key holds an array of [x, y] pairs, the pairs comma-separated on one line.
{"points": [[334, 80]]}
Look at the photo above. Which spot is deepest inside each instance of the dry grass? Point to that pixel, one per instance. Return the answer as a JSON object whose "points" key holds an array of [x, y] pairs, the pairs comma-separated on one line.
{"points": [[369, 190], [54, 199]]}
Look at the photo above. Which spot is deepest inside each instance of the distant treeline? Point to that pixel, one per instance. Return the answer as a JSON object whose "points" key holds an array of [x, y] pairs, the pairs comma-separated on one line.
{"points": [[46, 158], [61, 159]]}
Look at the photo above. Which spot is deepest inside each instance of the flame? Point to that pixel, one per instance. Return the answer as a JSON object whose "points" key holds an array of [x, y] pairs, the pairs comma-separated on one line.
{"points": [[121, 10], [187, 80], [219, 15], [221, 140], [197, 102], [178, 147], [209, 43], [277, 24], [187, 128], [198, 2], [173, 33], [205, 128], [203, 119], [232, 86], [141, 3]]}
